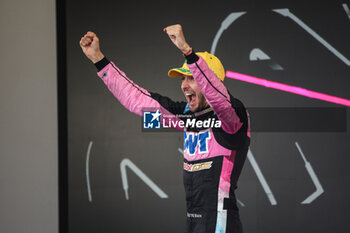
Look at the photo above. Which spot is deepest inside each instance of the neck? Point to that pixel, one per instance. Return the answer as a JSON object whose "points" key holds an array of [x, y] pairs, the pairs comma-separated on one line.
{"points": [[204, 110]]}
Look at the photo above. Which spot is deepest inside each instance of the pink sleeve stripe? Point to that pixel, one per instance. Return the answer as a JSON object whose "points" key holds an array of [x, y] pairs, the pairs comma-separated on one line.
{"points": [[133, 97], [216, 94]]}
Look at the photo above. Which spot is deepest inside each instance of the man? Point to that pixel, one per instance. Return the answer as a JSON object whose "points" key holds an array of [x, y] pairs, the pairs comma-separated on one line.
{"points": [[213, 157]]}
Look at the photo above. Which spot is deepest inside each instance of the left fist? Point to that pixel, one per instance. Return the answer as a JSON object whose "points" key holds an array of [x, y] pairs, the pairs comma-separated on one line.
{"points": [[176, 35]]}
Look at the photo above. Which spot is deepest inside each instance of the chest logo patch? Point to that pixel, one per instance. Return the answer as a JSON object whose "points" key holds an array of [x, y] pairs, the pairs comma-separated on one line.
{"points": [[196, 142], [197, 166]]}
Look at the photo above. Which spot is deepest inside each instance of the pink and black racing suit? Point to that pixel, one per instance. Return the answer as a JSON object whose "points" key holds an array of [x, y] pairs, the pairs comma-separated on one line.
{"points": [[213, 158]]}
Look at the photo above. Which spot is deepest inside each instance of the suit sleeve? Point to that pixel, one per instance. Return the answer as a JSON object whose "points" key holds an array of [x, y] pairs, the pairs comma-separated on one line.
{"points": [[215, 93], [133, 97]]}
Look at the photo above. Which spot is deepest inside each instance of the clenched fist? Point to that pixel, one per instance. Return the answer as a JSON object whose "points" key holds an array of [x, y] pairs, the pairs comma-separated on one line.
{"points": [[90, 45], [176, 35]]}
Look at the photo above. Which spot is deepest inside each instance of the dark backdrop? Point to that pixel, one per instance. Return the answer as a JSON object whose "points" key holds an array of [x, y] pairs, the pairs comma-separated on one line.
{"points": [[101, 133]]}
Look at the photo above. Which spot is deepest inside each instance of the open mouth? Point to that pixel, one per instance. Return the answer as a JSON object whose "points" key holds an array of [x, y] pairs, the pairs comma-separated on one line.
{"points": [[191, 97]]}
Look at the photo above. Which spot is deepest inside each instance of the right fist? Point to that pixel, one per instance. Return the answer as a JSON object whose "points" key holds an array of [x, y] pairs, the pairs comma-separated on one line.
{"points": [[90, 45]]}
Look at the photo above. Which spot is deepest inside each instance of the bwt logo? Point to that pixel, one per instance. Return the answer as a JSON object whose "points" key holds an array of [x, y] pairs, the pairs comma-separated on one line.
{"points": [[196, 142], [151, 119]]}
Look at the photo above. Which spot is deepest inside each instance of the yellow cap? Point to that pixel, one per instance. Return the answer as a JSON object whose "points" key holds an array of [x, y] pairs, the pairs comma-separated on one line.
{"points": [[213, 62]]}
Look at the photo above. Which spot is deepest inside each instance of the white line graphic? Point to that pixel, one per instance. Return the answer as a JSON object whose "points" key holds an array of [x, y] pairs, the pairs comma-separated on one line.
{"points": [[310, 170], [127, 163], [285, 12], [239, 202], [257, 54], [275, 66], [346, 8], [224, 25], [261, 178], [87, 170]]}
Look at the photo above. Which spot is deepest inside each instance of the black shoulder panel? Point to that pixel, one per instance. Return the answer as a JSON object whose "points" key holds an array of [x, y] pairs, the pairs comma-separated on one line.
{"points": [[239, 139], [168, 104]]}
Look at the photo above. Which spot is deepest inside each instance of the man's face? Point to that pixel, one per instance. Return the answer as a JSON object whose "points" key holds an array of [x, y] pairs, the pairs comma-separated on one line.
{"points": [[193, 95]]}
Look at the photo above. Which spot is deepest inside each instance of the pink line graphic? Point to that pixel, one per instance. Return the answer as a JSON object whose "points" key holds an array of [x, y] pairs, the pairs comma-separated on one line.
{"points": [[288, 88]]}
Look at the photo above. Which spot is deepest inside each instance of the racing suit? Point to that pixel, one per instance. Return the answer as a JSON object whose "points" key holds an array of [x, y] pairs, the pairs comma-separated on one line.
{"points": [[213, 157]]}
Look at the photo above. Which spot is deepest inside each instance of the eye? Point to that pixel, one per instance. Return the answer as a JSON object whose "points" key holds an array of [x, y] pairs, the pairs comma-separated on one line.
{"points": [[183, 78]]}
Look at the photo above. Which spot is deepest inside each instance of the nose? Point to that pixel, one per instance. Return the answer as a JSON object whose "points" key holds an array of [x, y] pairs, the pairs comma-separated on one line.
{"points": [[184, 83]]}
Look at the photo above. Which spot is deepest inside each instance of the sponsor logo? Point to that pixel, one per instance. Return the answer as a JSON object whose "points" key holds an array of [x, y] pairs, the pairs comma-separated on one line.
{"points": [[197, 166], [196, 142], [105, 74]]}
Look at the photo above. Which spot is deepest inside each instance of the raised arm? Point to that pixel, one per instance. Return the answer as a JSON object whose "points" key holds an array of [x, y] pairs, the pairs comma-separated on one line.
{"points": [[133, 97], [210, 85], [215, 93]]}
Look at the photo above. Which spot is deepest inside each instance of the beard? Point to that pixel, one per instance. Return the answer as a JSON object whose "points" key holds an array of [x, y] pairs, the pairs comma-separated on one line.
{"points": [[201, 103]]}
